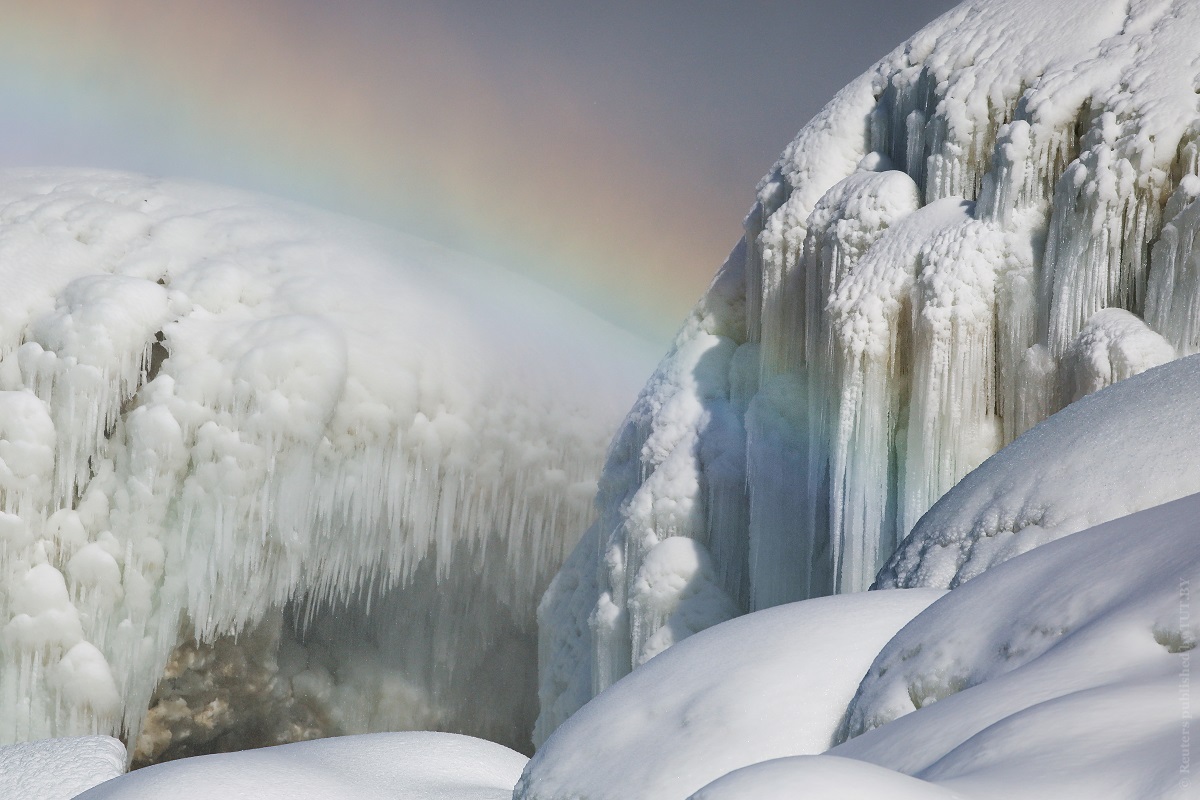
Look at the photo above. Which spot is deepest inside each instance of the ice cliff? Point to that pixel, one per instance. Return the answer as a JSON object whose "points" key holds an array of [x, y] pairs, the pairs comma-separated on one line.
{"points": [[994, 221], [273, 474]]}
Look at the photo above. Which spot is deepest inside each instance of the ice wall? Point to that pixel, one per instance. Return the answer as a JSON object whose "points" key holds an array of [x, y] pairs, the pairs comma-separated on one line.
{"points": [[213, 407], [997, 219]]}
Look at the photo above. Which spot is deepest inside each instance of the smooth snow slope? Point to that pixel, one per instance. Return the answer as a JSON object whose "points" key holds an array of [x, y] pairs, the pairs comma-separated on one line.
{"points": [[1065, 672], [826, 777], [212, 405], [384, 766], [997, 219], [770, 684]]}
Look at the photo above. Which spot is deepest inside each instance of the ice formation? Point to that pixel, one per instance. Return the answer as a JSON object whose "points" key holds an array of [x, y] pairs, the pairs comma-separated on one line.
{"points": [[218, 413], [995, 220]]}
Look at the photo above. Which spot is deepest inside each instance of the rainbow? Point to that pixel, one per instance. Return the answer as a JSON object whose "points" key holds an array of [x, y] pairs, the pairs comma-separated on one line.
{"points": [[385, 113]]}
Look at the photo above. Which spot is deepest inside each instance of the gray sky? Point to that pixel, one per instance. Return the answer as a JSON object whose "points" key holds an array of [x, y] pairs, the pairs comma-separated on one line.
{"points": [[607, 149]]}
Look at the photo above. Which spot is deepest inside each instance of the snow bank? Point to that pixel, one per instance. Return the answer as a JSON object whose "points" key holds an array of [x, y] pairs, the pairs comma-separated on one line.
{"points": [[59, 769], [826, 777], [415, 766], [212, 406], [1065, 672], [769, 684], [998, 218], [1126, 448]]}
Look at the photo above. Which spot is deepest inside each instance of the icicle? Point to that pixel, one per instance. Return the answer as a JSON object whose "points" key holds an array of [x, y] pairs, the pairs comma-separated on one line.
{"points": [[1107, 213], [872, 317], [952, 423], [781, 566], [1173, 294]]}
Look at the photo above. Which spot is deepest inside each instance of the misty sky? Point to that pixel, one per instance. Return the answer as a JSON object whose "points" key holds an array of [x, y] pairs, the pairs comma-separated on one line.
{"points": [[608, 149]]}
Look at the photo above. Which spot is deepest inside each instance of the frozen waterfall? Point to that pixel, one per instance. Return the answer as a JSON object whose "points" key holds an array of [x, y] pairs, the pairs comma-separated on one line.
{"points": [[241, 439], [997, 219]]}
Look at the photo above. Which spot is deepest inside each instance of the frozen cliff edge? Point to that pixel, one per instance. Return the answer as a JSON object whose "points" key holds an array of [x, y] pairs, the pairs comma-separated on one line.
{"points": [[994, 221], [222, 417]]}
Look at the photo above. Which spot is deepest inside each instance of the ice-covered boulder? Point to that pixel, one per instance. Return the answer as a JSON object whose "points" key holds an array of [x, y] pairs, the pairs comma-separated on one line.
{"points": [[996, 219], [225, 421], [770, 684]]}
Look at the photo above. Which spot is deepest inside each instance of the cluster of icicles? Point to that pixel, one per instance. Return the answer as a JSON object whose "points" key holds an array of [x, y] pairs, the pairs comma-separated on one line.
{"points": [[210, 407], [997, 220]]}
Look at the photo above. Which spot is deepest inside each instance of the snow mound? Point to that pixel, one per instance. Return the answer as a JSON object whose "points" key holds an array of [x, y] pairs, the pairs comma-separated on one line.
{"points": [[59, 769], [1065, 672], [414, 766], [1126, 448], [213, 405], [826, 777], [996, 219], [770, 684]]}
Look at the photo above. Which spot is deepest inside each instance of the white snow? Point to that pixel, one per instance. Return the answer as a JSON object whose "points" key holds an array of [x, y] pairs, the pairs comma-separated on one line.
{"points": [[58, 769], [413, 766], [212, 405], [314, 478], [823, 776], [770, 684], [1065, 672], [995, 220]]}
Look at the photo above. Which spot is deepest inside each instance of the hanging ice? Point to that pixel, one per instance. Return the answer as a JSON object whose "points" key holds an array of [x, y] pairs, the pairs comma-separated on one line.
{"points": [[212, 407], [997, 219]]}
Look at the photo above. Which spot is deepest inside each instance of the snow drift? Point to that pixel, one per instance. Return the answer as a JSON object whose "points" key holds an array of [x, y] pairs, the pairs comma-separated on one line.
{"points": [[1064, 672], [770, 684], [415, 765], [997, 219], [223, 420]]}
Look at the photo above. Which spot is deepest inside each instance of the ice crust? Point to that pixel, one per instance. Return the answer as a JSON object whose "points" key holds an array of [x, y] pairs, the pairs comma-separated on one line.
{"points": [[213, 405], [995, 220], [59, 769]]}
